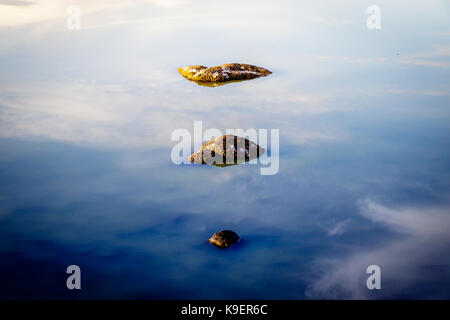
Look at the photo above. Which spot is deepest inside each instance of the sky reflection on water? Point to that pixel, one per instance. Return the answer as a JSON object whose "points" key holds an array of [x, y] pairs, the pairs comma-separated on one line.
{"points": [[86, 176]]}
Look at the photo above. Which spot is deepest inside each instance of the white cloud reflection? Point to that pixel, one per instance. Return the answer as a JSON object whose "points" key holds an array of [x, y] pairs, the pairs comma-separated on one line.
{"points": [[16, 13], [440, 57], [420, 248], [117, 116]]}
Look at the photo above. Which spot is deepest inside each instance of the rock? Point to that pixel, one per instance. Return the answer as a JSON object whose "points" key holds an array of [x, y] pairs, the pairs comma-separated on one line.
{"points": [[225, 73], [227, 150], [224, 239], [216, 84]]}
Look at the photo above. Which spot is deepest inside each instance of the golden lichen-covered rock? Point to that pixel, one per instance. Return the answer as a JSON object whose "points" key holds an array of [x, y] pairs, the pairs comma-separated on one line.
{"points": [[224, 73], [224, 239], [227, 150]]}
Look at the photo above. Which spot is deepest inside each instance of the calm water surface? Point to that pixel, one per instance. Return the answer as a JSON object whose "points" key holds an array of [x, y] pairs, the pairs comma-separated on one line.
{"points": [[86, 176]]}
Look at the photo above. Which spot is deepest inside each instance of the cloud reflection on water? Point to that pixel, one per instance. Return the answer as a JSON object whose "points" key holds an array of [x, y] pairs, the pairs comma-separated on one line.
{"points": [[85, 124]]}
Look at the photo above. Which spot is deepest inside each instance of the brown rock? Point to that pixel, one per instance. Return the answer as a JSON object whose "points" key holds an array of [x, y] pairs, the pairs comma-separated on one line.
{"points": [[225, 73], [227, 150], [224, 239]]}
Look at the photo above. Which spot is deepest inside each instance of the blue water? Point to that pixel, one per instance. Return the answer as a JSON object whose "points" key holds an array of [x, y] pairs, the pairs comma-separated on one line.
{"points": [[86, 176]]}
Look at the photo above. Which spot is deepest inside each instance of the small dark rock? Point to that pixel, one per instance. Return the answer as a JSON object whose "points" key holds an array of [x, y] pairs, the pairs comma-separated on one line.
{"points": [[224, 239]]}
